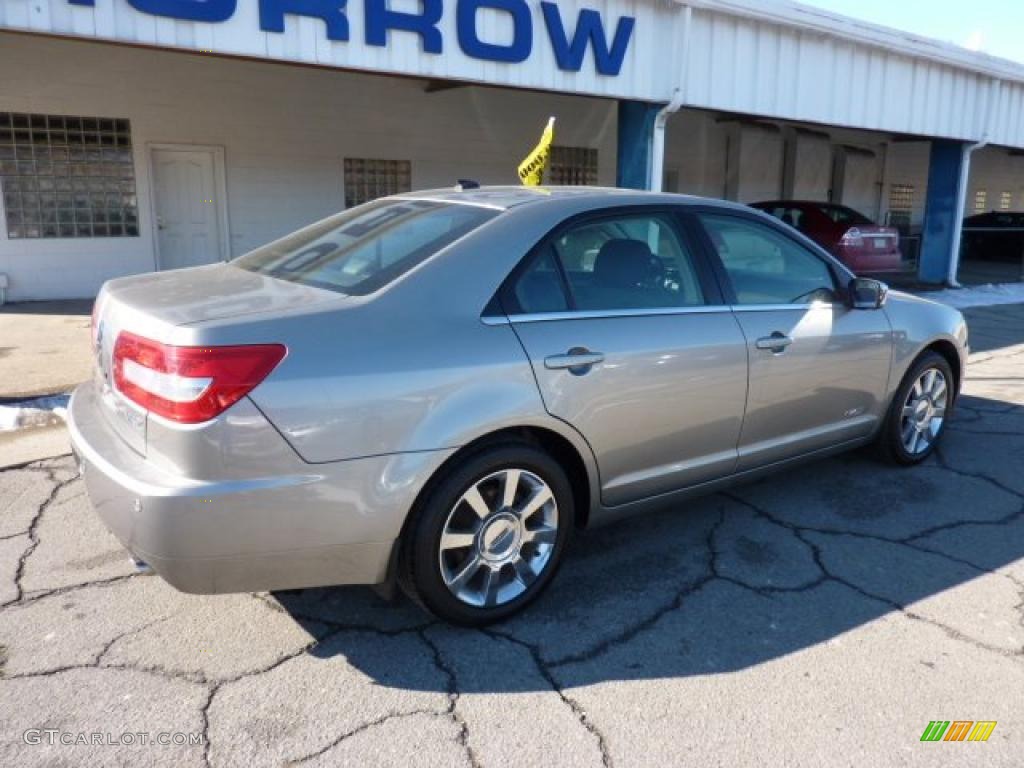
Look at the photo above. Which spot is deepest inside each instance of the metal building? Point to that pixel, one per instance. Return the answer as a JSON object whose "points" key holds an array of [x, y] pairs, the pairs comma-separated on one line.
{"points": [[151, 134]]}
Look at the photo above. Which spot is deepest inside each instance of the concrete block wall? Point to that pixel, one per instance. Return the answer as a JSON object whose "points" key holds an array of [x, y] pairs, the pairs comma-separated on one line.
{"points": [[285, 131]]}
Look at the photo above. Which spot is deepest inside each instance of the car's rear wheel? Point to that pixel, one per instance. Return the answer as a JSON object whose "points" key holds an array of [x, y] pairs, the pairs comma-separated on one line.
{"points": [[488, 536], [918, 413]]}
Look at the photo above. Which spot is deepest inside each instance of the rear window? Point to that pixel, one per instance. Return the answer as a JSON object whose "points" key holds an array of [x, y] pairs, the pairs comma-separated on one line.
{"points": [[846, 216], [363, 249]]}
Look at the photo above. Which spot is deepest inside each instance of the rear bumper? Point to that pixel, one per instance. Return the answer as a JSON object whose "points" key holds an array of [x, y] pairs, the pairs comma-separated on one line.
{"points": [[310, 525]]}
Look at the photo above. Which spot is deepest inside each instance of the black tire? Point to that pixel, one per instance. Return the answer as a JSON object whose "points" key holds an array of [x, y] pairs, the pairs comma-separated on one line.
{"points": [[890, 446], [419, 566]]}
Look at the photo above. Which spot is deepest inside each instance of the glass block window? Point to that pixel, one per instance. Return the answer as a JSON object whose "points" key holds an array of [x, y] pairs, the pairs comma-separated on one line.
{"points": [[1005, 201], [367, 179], [575, 166], [980, 201], [67, 176], [901, 205]]}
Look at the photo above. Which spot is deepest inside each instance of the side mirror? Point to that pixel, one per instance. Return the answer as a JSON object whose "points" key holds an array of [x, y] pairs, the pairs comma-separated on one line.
{"points": [[866, 293]]}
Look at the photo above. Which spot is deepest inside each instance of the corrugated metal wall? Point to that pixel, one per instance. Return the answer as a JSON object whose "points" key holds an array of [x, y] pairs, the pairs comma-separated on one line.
{"points": [[646, 73], [754, 67], [778, 60]]}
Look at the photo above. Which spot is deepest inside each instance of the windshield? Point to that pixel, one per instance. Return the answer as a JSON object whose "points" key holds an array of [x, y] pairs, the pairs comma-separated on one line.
{"points": [[363, 249]]}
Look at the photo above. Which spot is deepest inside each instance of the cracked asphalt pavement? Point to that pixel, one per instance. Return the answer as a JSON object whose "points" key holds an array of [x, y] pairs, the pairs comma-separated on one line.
{"points": [[821, 617]]}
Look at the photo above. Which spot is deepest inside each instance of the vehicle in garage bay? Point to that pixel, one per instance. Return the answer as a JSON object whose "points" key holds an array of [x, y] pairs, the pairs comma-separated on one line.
{"points": [[996, 235], [438, 388], [850, 236]]}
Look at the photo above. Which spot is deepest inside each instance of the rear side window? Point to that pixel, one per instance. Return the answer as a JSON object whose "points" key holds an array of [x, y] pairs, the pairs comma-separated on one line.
{"points": [[363, 249], [764, 266]]}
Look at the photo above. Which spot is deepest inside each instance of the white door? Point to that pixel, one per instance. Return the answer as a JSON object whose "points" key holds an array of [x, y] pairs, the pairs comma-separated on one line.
{"points": [[187, 207]]}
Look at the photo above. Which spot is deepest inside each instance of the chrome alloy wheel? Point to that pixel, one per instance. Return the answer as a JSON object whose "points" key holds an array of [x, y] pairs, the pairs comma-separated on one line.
{"points": [[924, 411], [498, 538]]}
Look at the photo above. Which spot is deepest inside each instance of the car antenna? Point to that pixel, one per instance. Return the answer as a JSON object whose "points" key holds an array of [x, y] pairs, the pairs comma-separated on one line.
{"points": [[463, 184]]}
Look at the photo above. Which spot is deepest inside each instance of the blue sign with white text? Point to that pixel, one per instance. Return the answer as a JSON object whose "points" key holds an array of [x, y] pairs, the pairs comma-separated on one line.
{"points": [[569, 41]]}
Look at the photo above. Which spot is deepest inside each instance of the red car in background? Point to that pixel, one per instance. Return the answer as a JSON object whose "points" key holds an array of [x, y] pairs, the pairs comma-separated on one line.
{"points": [[851, 237]]}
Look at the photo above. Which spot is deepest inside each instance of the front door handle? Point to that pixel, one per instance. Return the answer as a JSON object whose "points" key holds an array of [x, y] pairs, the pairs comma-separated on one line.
{"points": [[776, 343], [578, 360]]}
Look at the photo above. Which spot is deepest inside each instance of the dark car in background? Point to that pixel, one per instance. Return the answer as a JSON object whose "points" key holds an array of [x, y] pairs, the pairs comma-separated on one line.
{"points": [[851, 237], [996, 236]]}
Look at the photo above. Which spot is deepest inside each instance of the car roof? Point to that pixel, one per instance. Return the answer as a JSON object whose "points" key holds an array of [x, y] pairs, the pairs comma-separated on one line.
{"points": [[799, 204], [508, 197]]}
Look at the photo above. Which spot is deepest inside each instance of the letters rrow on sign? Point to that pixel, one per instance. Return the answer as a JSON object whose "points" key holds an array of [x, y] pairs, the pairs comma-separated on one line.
{"points": [[569, 45]]}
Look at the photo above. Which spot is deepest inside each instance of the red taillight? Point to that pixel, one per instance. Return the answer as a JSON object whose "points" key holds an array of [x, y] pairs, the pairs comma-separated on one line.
{"points": [[189, 384]]}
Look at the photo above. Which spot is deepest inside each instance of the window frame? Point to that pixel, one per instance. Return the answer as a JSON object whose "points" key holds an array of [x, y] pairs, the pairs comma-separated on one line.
{"points": [[584, 170], [92, 158], [675, 216], [347, 181], [841, 276]]}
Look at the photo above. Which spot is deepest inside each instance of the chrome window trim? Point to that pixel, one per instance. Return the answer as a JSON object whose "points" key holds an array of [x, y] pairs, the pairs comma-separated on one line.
{"points": [[538, 317], [779, 307], [494, 320], [597, 314]]}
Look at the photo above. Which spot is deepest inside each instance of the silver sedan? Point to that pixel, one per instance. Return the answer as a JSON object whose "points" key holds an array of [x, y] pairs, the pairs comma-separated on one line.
{"points": [[439, 388]]}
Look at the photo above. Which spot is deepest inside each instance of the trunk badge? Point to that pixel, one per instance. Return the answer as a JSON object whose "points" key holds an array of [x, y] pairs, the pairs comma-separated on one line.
{"points": [[99, 353]]}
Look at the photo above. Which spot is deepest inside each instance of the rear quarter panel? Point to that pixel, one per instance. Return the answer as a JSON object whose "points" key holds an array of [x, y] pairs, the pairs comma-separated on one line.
{"points": [[370, 382], [412, 367]]}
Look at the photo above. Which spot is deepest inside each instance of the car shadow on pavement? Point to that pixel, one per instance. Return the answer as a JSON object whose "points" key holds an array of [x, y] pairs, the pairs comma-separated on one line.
{"points": [[738, 578]]}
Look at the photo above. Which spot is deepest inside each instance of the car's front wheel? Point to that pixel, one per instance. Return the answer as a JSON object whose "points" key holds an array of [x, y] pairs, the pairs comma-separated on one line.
{"points": [[489, 536], [918, 413]]}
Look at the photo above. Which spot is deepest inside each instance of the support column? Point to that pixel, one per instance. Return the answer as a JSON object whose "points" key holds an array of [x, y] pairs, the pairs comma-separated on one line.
{"points": [[636, 135], [947, 173]]}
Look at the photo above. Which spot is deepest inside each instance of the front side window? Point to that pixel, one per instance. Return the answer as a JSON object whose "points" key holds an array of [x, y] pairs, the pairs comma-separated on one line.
{"points": [[540, 287], [627, 262], [764, 266], [363, 249]]}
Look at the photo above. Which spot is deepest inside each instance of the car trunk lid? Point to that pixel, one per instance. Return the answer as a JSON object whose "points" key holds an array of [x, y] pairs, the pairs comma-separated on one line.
{"points": [[166, 307], [201, 294], [873, 239]]}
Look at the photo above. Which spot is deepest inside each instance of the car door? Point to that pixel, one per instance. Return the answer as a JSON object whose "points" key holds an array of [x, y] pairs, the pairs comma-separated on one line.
{"points": [[631, 344], [818, 368]]}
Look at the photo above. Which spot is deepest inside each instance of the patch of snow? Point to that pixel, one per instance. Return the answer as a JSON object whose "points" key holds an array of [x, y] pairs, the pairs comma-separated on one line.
{"points": [[978, 295], [38, 412]]}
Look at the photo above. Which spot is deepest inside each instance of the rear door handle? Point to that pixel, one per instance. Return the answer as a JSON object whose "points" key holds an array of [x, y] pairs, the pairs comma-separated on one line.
{"points": [[577, 360], [776, 343]]}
